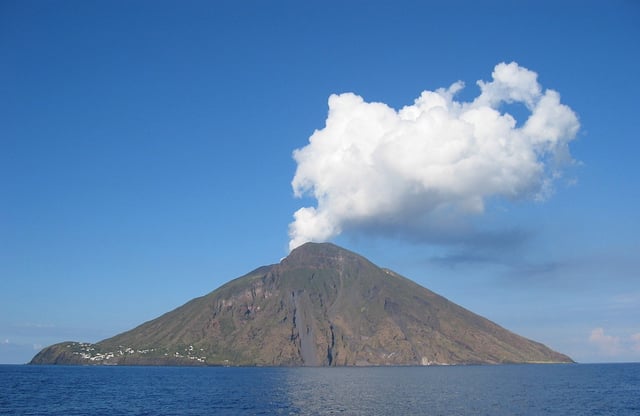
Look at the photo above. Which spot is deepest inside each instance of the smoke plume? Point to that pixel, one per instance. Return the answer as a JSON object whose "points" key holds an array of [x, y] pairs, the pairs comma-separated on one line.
{"points": [[428, 165]]}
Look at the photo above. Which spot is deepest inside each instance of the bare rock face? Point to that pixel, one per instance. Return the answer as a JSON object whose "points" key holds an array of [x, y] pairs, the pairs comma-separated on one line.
{"points": [[320, 306]]}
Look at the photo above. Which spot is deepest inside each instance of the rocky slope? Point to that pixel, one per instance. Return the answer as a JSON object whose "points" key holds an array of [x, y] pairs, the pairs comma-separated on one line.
{"points": [[320, 306]]}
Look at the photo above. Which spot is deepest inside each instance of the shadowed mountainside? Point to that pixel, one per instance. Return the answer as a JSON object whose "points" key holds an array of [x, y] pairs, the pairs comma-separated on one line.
{"points": [[320, 306]]}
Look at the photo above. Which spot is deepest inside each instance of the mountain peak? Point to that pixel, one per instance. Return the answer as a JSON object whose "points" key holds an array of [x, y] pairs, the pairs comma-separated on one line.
{"points": [[318, 249], [321, 256], [320, 306]]}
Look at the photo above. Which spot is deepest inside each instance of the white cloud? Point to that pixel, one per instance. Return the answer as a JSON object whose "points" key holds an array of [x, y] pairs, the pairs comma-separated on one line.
{"points": [[608, 344], [625, 346], [429, 164], [635, 342]]}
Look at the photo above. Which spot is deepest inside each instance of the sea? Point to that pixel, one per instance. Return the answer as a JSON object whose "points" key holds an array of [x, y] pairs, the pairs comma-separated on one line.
{"points": [[563, 389]]}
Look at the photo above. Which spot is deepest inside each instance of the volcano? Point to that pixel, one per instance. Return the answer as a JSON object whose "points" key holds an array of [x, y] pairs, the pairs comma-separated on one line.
{"points": [[320, 306]]}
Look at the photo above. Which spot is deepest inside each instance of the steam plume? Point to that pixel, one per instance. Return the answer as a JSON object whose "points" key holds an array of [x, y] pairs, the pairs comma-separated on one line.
{"points": [[431, 163]]}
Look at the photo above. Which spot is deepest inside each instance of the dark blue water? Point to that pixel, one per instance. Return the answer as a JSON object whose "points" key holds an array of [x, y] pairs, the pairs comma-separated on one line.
{"points": [[608, 389]]}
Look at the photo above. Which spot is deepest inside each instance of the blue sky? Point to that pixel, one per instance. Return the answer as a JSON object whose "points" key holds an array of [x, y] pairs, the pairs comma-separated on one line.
{"points": [[146, 157]]}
